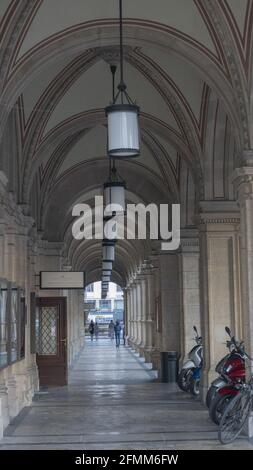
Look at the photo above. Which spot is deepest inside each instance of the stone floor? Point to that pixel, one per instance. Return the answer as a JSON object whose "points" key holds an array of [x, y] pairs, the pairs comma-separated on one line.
{"points": [[113, 401]]}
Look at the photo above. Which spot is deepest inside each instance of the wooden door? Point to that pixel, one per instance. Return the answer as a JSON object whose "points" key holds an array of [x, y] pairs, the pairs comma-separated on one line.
{"points": [[51, 340]]}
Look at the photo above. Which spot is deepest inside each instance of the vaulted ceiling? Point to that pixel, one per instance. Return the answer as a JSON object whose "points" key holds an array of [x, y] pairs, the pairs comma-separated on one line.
{"points": [[188, 64]]}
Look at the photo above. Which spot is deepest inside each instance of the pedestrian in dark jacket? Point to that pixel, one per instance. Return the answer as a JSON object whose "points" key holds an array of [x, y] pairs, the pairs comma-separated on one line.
{"points": [[117, 330], [91, 329]]}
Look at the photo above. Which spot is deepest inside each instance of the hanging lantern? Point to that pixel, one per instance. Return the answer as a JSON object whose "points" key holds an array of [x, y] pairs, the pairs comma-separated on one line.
{"points": [[107, 265], [114, 194], [106, 278], [123, 130], [108, 250], [122, 118]]}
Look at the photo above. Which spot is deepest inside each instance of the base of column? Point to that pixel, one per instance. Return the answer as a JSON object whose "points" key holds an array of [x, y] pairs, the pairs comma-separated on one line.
{"points": [[249, 428], [150, 355], [1, 421], [207, 378]]}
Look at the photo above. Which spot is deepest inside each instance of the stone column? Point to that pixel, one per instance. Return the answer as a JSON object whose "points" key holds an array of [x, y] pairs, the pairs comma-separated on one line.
{"points": [[219, 281], [130, 314], [126, 317], [170, 302], [2, 245], [144, 310], [1, 420], [243, 183], [189, 289], [5, 418], [13, 401], [139, 311], [150, 317], [134, 312]]}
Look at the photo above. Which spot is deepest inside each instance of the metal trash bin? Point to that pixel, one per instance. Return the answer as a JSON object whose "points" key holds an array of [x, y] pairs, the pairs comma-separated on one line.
{"points": [[169, 366]]}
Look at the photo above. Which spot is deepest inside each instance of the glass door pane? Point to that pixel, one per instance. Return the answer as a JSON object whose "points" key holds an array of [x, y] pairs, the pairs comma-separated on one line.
{"points": [[46, 328], [14, 325], [3, 324]]}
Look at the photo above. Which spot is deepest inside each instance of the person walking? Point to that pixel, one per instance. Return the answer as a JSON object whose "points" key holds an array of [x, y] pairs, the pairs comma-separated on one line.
{"points": [[117, 330], [111, 330], [123, 332], [96, 330], [91, 329]]}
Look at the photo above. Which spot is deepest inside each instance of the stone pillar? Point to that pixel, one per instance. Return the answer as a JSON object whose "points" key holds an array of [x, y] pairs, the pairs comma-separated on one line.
{"points": [[1, 421], [126, 312], [134, 312], [130, 314], [189, 289], [2, 245], [219, 281], [139, 311], [150, 317], [243, 183], [144, 311], [5, 418], [13, 401], [170, 302]]}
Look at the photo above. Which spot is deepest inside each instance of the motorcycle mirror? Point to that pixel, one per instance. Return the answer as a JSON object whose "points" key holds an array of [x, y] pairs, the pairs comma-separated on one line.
{"points": [[228, 331]]}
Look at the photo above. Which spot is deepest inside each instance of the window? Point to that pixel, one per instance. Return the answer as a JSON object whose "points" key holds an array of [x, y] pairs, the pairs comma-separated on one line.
{"points": [[14, 325], [3, 324], [105, 304], [119, 304], [118, 288], [90, 288], [46, 327], [22, 326]]}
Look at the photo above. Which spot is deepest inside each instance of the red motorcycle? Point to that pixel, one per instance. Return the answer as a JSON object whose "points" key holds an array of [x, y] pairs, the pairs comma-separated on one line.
{"points": [[234, 372]]}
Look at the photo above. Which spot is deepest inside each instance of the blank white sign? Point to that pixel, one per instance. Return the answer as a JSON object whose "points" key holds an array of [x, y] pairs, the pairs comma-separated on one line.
{"points": [[62, 280]]}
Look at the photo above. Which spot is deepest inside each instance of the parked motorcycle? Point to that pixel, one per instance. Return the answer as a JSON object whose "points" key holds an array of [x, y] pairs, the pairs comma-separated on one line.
{"points": [[234, 375], [189, 375], [222, 380]]}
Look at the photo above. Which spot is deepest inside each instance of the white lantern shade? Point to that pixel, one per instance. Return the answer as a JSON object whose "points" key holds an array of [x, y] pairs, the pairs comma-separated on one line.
{"points": [[123, 130], [108, 251], [106, 273], [107, 265], [114, 197]]}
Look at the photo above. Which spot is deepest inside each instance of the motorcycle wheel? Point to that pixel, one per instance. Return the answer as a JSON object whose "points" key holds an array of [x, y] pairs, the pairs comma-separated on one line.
{"points": [[194, 386], [183, 380], [210, 395], [218, 406]]}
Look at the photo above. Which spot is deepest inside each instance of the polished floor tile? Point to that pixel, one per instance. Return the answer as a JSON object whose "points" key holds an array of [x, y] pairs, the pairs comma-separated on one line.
{"points": [[113, 401]]}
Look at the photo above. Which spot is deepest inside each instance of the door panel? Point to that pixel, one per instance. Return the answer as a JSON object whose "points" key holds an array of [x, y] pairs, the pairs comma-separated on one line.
{"points": [[51, 340]]}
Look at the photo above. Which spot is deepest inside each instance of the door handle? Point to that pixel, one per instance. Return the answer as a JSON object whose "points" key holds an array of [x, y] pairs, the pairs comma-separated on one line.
{"points": [[64, 341]]}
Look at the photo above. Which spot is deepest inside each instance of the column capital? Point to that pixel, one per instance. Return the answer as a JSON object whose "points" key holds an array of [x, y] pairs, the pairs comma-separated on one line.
{"points": [[246, 159], [242, 179], [189, 240], [218, 212]]}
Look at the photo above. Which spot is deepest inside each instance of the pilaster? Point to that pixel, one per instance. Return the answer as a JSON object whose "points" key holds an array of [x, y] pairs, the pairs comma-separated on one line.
{"points": [[219, 224]]}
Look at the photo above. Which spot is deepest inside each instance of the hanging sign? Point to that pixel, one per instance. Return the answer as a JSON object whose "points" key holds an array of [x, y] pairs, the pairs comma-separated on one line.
{"points": [[62, 280]]}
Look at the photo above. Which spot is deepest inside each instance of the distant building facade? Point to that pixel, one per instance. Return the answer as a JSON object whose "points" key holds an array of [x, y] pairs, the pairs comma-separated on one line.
{"points": [[104, 310]]}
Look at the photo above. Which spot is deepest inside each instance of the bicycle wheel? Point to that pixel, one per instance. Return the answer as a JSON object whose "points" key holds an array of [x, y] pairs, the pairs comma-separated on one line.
{"points": [[234, 417]]}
